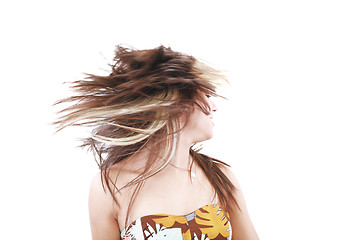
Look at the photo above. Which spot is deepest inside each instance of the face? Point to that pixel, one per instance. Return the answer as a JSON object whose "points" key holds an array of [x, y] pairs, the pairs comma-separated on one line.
{"points": [[200, 126]]}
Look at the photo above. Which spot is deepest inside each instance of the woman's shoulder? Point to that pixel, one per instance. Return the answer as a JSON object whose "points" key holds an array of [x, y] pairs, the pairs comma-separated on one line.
{"points": [[98, 192], [104, 188], [102, 211], [225, 169], [228, 172]]}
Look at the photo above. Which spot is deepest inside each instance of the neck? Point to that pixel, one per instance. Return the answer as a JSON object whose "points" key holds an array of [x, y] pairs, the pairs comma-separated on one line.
{"points": [[181, 158], [182, 155]]}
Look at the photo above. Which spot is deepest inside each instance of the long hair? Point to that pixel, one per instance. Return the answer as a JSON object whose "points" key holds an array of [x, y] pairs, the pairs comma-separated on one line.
{"points": [[139, 102]]}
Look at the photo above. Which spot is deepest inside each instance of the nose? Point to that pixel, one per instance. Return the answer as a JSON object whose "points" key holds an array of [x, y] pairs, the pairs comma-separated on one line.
{"points": [[213, 106]]}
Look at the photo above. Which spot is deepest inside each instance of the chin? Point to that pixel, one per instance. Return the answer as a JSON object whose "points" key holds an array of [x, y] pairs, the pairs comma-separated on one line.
{"points": [[205, 137]]}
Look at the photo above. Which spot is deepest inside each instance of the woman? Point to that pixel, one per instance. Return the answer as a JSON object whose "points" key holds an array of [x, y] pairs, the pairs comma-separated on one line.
{"points": [[147, 114]]}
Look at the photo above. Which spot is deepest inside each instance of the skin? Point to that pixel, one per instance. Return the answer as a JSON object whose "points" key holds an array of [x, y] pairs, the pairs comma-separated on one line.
{"points": [[158, 194]]}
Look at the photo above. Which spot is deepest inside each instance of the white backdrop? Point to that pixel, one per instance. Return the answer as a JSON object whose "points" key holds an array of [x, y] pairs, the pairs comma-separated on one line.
{"points": [[290, 128]]}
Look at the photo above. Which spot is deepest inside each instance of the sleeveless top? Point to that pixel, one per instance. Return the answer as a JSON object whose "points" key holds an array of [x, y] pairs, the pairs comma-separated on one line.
{"points": [[207, 222]]}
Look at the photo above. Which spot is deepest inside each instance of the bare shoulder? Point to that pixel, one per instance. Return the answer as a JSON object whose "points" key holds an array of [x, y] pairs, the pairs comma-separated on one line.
{"points": [[240, 220], [102, 212], [230, 175], [99, 193], [233, 179], [99, 196]]}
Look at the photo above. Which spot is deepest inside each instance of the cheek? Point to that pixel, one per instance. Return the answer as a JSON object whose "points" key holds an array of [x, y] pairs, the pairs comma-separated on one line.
{"points": [[204, 127], [199, 127]]}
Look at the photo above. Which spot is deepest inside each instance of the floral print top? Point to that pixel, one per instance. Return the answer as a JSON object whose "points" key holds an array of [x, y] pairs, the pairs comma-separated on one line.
{"points": [[207, 222]]}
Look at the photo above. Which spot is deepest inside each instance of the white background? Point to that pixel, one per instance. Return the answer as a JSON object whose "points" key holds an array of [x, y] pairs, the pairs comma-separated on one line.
{"points": [[290, 128]]}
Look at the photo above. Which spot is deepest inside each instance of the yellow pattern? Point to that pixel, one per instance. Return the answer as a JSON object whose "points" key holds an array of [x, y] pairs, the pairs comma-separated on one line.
{"points": [[208, 222], [186, 235], [213, 221], [169, 220]]}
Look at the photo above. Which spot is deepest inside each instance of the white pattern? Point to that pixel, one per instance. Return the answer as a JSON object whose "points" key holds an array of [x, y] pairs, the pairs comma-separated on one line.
{"points": [[163, 233], [133, 231], [202, 237]]}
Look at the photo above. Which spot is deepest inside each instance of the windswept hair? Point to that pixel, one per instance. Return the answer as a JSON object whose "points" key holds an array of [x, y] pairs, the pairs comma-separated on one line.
{"points": [[139, 102]]}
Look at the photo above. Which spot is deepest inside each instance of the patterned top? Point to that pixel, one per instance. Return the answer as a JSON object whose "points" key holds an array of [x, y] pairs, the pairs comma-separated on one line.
{"points": [[207, 222]]}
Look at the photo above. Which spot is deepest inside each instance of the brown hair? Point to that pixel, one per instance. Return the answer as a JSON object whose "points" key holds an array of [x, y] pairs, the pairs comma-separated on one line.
{"points": [[141, 100]]}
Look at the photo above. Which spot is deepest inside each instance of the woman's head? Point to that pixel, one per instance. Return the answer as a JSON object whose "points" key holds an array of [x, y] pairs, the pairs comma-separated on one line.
{"points": [[148, 100], [141, 100]]}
